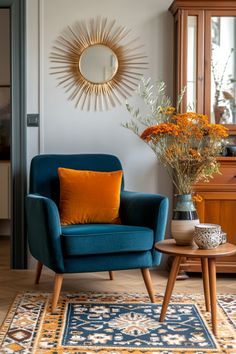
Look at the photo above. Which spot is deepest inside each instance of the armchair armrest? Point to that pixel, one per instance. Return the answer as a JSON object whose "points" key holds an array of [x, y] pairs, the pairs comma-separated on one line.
{"points": [[148, 210], [44, 230]]}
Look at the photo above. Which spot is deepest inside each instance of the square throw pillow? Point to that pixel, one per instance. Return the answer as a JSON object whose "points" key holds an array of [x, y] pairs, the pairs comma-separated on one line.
{"points": [[89, 196]]}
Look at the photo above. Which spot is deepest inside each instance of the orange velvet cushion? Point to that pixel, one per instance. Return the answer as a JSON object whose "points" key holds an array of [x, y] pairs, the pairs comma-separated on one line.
{"points": [[89, 196]]}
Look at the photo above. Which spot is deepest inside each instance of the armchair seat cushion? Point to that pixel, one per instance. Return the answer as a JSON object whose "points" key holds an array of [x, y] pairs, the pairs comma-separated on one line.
{"points": [[105, 238]]}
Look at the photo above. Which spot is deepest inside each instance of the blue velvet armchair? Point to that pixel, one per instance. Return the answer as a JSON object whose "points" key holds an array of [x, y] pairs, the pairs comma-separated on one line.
{"points": [[91, 247]]}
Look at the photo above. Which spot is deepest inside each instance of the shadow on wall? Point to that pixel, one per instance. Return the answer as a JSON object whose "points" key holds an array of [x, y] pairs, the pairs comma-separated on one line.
{"points": [[165, 187], [161, 62]]}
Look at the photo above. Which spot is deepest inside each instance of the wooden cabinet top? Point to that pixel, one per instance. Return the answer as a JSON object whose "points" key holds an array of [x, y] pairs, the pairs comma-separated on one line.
{"points": [[202, 5], [229, 159]]}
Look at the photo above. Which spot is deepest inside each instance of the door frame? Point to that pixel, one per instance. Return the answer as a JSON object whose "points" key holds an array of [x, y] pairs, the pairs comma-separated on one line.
{"points": [[18, 131]]}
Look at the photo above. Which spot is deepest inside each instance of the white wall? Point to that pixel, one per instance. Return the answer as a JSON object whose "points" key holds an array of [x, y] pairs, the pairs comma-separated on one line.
{"points": [[65, 129], [32, 72]]}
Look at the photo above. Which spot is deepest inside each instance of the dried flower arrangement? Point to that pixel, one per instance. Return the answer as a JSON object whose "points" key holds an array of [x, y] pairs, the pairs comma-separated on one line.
{"points": [[186, 144]]}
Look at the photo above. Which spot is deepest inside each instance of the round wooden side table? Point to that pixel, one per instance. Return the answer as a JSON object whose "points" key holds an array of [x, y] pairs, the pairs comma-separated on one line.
{"points": [[208, 263]]}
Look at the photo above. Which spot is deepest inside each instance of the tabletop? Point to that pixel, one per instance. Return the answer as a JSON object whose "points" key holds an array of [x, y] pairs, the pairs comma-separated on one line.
{"points": [[170, 247]]}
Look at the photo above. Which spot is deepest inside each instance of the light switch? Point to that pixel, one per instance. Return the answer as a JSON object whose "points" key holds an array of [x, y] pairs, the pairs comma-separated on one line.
{"points": [[33, 120]]}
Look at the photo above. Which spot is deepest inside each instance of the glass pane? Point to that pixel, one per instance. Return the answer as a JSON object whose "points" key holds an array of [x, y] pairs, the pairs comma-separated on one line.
{"points": [[223, 74], [192, 63]]}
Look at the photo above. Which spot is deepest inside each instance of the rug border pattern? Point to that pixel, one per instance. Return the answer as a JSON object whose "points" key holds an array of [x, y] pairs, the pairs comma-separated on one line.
{"points": [[58, 321]]}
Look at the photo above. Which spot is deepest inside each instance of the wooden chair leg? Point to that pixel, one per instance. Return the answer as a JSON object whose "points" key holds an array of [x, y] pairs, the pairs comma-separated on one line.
{"points": [[206, 287], [170, 286], [56, 291], [38, 272], [148, 283], [111, 275]]}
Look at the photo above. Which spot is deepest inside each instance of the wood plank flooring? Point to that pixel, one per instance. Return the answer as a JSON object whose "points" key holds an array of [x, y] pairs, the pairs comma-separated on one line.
{"points": [[14, 281]]}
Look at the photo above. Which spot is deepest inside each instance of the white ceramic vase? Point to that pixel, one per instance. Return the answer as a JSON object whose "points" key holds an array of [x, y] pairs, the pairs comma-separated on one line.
{"points": [[184, 220]]}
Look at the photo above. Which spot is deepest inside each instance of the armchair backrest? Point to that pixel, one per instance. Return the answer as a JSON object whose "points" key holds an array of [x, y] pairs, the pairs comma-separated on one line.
{"points": [[44, 178]]}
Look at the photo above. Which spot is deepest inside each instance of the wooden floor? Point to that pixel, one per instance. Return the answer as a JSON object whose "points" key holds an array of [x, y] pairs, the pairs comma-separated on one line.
{"points": [[14, 281]]}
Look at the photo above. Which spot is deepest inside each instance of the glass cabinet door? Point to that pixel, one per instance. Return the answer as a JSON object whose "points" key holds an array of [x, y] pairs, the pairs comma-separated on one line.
{"points": [[205, 37], [189, 51], [223, 69], [192, 64]]}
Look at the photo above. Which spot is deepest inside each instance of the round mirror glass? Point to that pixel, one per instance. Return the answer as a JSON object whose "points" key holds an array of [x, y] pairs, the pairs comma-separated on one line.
{"points": [[98, 64]]}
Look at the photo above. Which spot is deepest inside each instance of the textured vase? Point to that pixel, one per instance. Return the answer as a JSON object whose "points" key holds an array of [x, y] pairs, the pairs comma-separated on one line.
{"points": [[184, 220]]}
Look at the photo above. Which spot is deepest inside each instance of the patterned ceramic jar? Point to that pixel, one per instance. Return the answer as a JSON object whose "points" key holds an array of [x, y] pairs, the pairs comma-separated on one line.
{"points": [[223, 237], [207, 236]]}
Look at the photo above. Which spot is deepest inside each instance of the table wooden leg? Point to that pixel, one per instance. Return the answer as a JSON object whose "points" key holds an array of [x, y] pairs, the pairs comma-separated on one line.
{"points": [[170, 286], [206, 287], [212, 278]]}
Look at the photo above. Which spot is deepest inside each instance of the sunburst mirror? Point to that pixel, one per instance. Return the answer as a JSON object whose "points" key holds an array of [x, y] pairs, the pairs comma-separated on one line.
{"points": [[96, 64]]}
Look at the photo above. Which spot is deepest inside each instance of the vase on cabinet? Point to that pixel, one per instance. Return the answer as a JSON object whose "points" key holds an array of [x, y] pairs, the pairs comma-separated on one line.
{"points": [[218, 113], [184, 219]]}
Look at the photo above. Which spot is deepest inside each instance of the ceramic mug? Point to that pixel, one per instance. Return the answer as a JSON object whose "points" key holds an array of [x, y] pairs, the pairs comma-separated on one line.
{"points": [[207, 236]]}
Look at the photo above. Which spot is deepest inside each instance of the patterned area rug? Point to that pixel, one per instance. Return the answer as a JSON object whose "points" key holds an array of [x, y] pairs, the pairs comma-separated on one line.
{"points": [[91, 323]]}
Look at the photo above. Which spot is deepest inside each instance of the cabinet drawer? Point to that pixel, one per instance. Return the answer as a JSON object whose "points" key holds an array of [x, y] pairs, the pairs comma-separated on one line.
{"points": [[223, 181], [227, 176]]}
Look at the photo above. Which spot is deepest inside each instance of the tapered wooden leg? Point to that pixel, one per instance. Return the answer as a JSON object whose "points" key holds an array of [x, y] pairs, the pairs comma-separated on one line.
{"points": [[38, 272], [206, 287], [111, 275], [56, 291], [170, 285], [212, 278], [148, 283]]}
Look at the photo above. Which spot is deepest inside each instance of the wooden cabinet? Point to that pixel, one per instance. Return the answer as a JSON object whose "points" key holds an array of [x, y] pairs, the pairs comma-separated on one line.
{"points": [[218, 207], [205, 63], [4, 190]]}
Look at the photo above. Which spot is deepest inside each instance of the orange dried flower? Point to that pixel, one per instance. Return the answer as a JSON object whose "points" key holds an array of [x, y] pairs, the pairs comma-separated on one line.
{"points": [[194, 152], [158, 130], [188, 145], [197, 198], [217, 130]]}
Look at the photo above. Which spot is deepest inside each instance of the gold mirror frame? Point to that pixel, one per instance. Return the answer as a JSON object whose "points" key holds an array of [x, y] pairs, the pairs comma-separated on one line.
{"points": [[66, 58]]}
